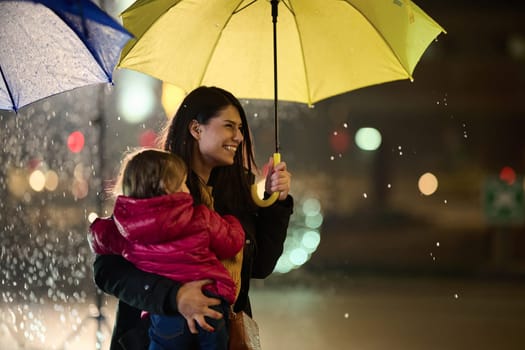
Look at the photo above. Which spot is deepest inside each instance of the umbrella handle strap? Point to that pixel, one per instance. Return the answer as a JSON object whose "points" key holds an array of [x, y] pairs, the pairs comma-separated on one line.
{"points": [[263, 203]]}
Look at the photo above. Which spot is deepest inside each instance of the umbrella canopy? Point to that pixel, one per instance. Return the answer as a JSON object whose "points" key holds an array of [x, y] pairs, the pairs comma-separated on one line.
{"points": [[51, 46], [326, 47]]}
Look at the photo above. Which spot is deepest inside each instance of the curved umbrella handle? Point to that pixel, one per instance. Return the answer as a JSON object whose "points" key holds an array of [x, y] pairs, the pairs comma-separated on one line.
{"points": [[263, 203]]}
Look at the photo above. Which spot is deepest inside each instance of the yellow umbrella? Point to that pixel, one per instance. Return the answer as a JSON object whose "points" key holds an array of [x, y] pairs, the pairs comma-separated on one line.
{"points": [[326, 47]]}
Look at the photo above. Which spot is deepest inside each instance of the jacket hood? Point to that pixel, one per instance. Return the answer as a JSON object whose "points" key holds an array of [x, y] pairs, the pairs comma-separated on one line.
{"points": [[153, 220]]}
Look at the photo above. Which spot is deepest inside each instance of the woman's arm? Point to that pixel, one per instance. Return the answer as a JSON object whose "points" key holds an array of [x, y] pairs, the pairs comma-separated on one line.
{"points": [[153, 293], [272, 222], [271, 227], [145, 291]]}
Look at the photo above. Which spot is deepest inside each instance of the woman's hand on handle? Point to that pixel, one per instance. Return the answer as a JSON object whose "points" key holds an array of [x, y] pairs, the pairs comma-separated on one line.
{"points": [[194, 305], [278, 179]]}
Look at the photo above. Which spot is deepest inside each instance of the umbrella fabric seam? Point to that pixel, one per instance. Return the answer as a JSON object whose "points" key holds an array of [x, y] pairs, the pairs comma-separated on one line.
{"points": [[91, 51], [383, 39], [134, 41], [237, 10], [212, 51], [11, 97], [308, 90]]}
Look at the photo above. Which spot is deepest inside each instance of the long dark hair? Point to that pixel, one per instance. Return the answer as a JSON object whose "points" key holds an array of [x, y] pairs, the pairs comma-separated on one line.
{"points": [[231, 184]]}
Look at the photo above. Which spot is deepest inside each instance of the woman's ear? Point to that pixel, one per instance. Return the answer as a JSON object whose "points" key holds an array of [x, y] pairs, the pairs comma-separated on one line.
{"points": [[195, 129]]}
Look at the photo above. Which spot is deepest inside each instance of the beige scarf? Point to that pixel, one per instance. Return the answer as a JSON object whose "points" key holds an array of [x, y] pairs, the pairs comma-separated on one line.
{"points": [[233, 265]]}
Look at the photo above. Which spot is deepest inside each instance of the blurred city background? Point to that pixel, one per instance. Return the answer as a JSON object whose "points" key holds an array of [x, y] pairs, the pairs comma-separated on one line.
{"points": [[408, 231]]}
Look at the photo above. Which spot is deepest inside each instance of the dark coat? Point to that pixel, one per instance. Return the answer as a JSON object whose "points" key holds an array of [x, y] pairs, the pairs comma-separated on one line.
{"points": [[137, 290]]}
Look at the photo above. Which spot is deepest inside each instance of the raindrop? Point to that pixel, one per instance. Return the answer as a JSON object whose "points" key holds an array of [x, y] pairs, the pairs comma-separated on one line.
{"points": [[456, 296], [437, 244], [346, 315], [365, 195]]}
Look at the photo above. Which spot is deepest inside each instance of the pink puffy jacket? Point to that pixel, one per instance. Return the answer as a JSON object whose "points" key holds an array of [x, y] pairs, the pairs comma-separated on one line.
{"points": [[168, 236]]}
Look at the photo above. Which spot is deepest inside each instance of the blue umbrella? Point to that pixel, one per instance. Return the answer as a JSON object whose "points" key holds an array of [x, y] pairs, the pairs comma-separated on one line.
{"points": [[52, 46]]}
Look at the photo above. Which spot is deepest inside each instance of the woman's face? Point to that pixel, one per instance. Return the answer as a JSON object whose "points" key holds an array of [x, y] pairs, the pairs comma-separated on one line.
{"points": [[219, 139]]}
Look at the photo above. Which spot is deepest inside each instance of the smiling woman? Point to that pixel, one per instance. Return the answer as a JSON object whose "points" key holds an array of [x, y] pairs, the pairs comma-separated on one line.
{"points": [[210, 133]]}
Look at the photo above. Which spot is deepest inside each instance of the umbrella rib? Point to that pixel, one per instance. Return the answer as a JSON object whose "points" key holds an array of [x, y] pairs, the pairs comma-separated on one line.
{"points": [[208, 60], [8, 90], [307, 81], [383, 38], [91, 51], [237, 9]]}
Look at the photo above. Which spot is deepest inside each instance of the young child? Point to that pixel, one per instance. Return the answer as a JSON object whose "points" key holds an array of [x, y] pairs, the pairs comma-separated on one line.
{"points": [[156, 226]]}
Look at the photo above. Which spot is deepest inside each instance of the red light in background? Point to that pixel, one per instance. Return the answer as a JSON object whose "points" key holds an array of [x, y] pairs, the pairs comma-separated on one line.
{"points": [[147, 138], [75, 141], [508, 175], [33, 164], [340, 140]]}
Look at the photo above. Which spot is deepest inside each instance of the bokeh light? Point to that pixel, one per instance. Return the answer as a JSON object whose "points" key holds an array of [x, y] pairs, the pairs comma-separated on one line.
{"points": [[17, 182], [136, 96], [298, 256], [368, 139], [148, 138], [314, 221], [311, 240], [428, 184], [311, 207], [37, 180], [75, 141], [51, 182], [507, 175], [171, 98], [303, 235], [79, 171], [92, 216], [340, 140], [79, 189]]}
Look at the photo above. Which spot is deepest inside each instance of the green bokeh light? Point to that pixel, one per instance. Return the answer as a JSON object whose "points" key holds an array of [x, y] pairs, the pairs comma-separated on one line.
{"points": [[303, 235], [311, 207], [368, 139]]}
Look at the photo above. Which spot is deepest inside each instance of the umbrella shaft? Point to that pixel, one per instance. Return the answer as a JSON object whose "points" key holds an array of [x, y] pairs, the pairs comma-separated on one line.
{"points": [[274, 4]]}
